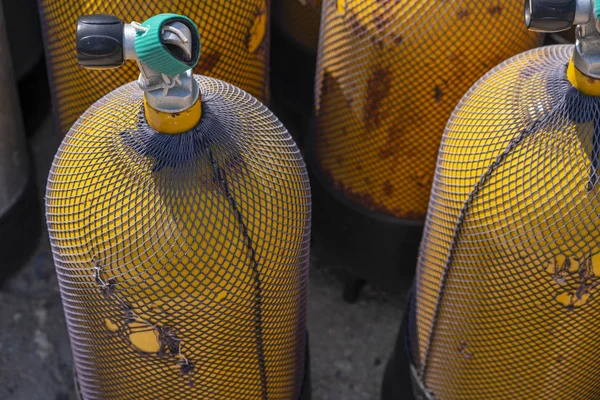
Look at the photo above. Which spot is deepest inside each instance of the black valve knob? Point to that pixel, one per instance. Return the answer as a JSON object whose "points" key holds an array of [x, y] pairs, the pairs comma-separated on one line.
{"points": [[100, 41], [550, 15]]}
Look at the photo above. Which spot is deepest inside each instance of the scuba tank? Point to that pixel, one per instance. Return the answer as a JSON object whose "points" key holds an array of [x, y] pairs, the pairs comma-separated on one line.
{"points": [[388, 76], [506, 293], [235, 39], [294, 45], [178, 211], [20, 214]]}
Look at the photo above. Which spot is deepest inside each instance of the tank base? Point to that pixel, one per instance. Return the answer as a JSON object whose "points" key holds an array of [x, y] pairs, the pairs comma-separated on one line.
{"points": [[368, 246], [400, 379], [397, 382], [352, 287], [304, 395], [20, 229]]}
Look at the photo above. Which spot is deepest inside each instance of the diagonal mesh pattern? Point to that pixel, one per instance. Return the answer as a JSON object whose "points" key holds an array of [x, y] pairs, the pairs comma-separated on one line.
{"points": [[182, 259], [301, 20], [235, 46], [389, 75], [507, 282]]}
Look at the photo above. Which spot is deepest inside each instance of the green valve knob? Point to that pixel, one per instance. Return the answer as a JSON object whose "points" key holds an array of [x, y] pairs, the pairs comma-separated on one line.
{"points": [[159, 54]]}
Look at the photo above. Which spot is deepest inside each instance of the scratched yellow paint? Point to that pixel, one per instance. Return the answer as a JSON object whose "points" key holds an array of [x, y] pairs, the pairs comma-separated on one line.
{"points": [[521, 286], [172, 245]]}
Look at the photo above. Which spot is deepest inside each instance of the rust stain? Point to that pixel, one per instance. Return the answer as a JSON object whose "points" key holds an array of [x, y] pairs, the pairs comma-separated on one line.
{"points": [[438, 93], [327, 83], [208, 61], [388, 188], [408, 214], [423, 180], [379, 22], [495, 10], [382, 20], [368, 201], [358, 28], [378, 88], [463, 13], [393, 144]]}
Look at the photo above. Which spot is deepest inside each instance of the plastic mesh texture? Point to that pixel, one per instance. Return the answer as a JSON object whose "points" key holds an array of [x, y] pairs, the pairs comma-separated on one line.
{"points": [[182, 259], [507, 281], [389, 75], [301, 20], [235, 47]]}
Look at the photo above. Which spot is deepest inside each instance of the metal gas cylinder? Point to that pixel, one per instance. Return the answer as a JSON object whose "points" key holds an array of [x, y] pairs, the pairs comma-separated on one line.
{"points": [[388, 77], [178, 209], [505, 298]]}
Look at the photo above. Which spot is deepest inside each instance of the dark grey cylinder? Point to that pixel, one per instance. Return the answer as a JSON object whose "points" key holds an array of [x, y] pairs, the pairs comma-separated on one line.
{"points": [[19, 209], [22, 23]]}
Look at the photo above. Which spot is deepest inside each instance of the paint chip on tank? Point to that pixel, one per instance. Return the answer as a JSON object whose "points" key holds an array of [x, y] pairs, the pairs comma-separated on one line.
{"points": [[111, 325]]}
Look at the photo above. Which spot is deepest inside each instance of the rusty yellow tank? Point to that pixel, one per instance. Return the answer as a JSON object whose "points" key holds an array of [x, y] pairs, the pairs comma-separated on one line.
{"points": [[234, 36], [389, 75]]}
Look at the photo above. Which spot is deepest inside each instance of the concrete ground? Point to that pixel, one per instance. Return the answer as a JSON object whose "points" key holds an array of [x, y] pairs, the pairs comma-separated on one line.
{"points": [[350, 343]]}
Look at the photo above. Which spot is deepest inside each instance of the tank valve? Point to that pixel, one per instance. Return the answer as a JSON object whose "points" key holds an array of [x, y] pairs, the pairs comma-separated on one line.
{"points": [[556, 15], [166, 48], [559, 15]]}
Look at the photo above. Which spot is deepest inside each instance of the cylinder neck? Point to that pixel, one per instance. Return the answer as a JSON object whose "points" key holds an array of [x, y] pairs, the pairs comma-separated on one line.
{"points": [[173, 123], [583, 70], [586, 55]]}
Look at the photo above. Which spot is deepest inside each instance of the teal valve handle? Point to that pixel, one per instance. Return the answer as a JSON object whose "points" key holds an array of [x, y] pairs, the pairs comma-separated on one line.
{"points": [[153, 52]]}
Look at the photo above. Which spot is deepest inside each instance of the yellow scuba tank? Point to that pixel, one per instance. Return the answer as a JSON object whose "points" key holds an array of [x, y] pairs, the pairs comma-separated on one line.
{"points": [[178, 210], [234, 36], [506, 294], [389, 74]]}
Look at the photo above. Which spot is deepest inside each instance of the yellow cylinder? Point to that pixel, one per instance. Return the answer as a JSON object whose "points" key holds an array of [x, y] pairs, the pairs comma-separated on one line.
{"points": [[388, 77], [234, 47], [508, 278], [300, 20], [182, 258]]}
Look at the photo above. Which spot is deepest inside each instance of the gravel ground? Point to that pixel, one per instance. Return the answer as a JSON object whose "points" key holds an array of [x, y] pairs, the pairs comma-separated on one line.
{"points": [[349, 343]]}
